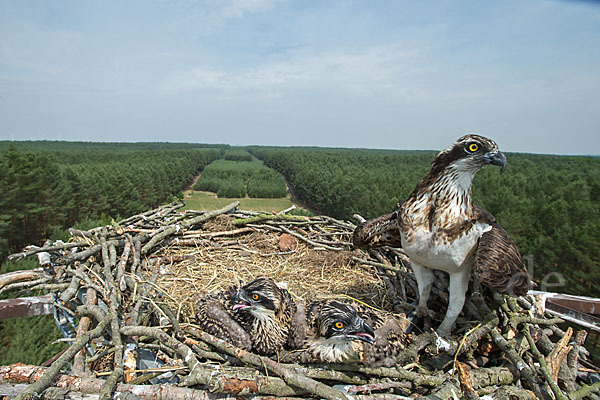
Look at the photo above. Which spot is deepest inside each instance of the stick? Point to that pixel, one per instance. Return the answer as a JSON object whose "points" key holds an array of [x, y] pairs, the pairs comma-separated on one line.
{"points": [[20, 285], [123, 263], [84, 323], [208, 376], [543, 366], [194, 221], [289, 375], [558, 354], [46, 380], [74, 384], [218, 234], [35, 250], [16, 276], [269, 217]]}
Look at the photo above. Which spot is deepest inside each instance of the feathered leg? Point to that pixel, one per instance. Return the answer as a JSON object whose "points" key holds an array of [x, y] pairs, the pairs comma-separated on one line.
{"points": [[459, 282], [424, 281]]}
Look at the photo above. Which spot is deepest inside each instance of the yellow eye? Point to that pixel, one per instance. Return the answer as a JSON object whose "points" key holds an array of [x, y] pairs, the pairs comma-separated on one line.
{"points": [[339, 325], [473, 147], [255, 296]]}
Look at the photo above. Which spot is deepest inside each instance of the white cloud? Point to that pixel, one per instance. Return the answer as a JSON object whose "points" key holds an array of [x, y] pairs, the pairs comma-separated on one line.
{"points": [[378, 70], [206, 16]]}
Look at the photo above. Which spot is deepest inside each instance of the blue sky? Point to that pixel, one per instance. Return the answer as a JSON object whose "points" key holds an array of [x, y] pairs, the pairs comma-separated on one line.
{"points": [[376, 74]]}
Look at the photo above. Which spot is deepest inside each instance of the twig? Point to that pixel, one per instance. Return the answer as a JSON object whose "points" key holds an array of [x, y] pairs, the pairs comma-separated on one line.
{"points": [[34, 250], [543, 366], [17, 276], [207, 376], [585, 390], [269, 217], [558, 354], [84, 323], [46, 380], [113, 302], [289, 375], [193, 221]]}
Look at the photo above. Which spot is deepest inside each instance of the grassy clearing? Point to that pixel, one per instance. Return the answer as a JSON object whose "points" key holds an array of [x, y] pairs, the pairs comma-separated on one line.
{"points": [[195, 200]]}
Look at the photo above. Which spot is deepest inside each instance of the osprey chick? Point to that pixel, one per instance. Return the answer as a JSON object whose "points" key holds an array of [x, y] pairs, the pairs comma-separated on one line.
{"points": [[439, 228], [266, 312], [334, 329], [257, 316]]}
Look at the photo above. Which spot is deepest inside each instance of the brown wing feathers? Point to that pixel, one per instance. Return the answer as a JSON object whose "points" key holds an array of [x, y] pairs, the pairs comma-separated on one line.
{"points": [[381, 231], [498, 263], [215, 318]]}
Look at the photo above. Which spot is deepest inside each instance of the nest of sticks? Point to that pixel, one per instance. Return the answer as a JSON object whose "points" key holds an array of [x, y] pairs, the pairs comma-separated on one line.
{"points": [[129, 292]]}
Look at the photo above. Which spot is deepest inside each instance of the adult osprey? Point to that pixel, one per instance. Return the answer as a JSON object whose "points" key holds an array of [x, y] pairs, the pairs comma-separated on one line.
{"points": [[439, 228]]}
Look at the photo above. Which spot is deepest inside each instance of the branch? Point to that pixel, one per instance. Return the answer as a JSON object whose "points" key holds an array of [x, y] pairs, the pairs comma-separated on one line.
{"points": [[289, 375], [585, 390], [193, 221], [208, 376], [84, 323], [543, 366], [74, 384], [269, 217], [17, 276], [34, 250], [109, 258], [45, 381]]}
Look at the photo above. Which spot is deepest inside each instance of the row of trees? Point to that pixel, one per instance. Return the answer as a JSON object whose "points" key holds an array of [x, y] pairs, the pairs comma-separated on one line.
{"points": [[229, 178], [52, 190], [549, 204], [237, 155]]}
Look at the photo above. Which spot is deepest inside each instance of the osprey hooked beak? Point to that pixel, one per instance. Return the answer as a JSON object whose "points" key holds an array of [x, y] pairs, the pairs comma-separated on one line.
{"points": [[363, 332], [496, 158], [240, 302]]}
